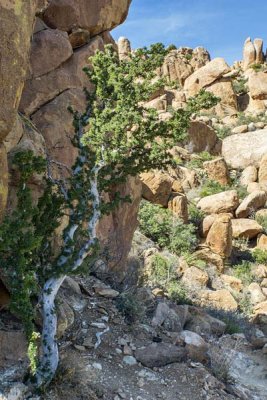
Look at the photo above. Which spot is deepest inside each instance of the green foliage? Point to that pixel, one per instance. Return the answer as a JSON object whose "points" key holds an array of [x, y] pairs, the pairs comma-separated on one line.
{"points": [[223, 131], [258, 67], [240, 85], [262, 220], [130, 306], [199, 159], [163, 274], [232, 326], [192, 260], [243, 272], [165, 229], [196, 215], [25, 242], [211, 187], [122, 131], [260, 256]]}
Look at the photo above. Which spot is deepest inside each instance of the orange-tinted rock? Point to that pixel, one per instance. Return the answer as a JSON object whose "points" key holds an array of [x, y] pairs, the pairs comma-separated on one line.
{"points": [[219, 238], [157, 187]]}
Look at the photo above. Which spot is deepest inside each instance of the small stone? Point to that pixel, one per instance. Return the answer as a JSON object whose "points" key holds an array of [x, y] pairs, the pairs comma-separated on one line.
{"points": [[129, 360], [118, 351], [78, 347], [99, 325], [98, 366], [106, 292], [141, 383], [264, 350], [127, 350]]}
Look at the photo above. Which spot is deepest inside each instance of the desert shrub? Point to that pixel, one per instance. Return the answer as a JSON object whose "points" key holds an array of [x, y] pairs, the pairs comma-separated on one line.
{"points": [[166, 229], [130, 306], [258, 67], [199, 159], [211, 187], [245, 305], [260, 256], [178, 293], [262, 220], [243, 272], [192, 260], [240, 85], [196, 215], [223, 131]]}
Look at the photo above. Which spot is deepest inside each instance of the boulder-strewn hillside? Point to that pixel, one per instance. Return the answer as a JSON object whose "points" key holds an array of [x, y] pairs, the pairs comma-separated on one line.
{"points": [[183, 308]]}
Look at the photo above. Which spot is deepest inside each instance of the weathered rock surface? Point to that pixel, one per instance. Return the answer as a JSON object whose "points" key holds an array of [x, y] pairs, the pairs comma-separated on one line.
{"points": [[249, 53], [217, 170], [205, 76], [13, 346], [16, 21], [170, 317], [251, 203], [195, 345], [202, 137], [263, 170], [95, 16], [178, 205], [251, 148], [223, 202], [157, 187], [245, 228], [258, 85], [220, 299], [219, 238], [249, 175], [160, 354]]}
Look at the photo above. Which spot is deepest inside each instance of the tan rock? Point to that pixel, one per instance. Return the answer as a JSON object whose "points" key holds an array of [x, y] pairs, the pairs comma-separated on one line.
{"points": [[207, 224], [106, 292], [223, 202], [258, 44], [245, 228], [160, 103], [240, 129], [262, 242], [49, 49], [39, 91], [257, 84], [202, 137], [255, 292], [261, 213], [65, 318], [255, 186], [16, 30], [251, 203], [263, 170], [210, 258], [220, 299], [251, 148], [195, 345], [184, 177], [195, 277], [249, 53], [224, 90], [95, 16], [232, 283], [205, 76], [219, 238], [124, 48], [178, 205], [260, 313], [264, 283], [157, 187], [259, 271], [217, 170], [14, 135], [249, 175]]}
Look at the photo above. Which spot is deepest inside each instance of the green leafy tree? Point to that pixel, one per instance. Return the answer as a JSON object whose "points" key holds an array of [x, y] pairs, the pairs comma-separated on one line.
{"points": [[116, 136]]}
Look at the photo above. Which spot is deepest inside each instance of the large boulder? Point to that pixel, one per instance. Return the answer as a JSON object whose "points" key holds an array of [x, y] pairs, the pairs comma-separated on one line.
{"points": [[195, 345], [16, 21], [257, 84], [202, 137], [219, 238], [195, 278], [124, 48], [249, 53], [258, 44], [96, 16], [178, 205], [219, 299], [70, 75], [205, 76], [157, 187], [263, 170], [251, 203], [249, 175], [240, 151], [245, 228], [217, 170], [49, 49], [224, 90], [13, 346], [218, 203], [171, 317], [160, 354]]}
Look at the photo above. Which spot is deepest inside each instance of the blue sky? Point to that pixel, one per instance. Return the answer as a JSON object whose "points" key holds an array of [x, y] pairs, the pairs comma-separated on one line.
{"points": [[221, 26]]}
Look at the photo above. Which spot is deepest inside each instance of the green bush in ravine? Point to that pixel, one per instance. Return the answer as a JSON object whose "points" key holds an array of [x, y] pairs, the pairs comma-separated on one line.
{"points": [[166, 229]]}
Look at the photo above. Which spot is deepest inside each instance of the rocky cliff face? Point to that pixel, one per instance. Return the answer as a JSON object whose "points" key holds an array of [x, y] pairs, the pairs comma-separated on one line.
{"points": [[44, 47]]}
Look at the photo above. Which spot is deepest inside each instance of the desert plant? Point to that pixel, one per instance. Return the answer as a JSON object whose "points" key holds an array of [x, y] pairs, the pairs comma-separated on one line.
{"points": [[198, 160], [262, 220], [260, 256], [115, 137], [196, 215], [211, 187], [166, 229], [223, 131], [240, 85], [243, 272], [130, 306]]}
